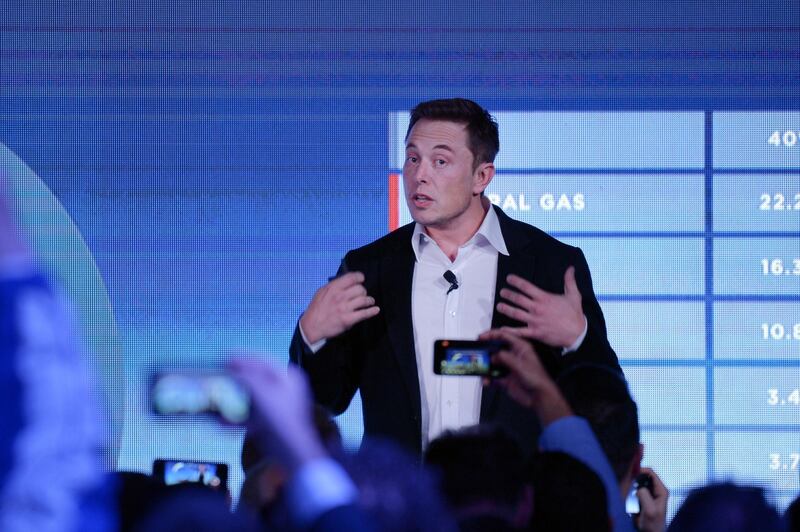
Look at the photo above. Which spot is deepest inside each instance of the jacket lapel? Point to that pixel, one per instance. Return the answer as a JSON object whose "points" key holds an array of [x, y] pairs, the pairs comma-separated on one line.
{"points": [[397, 273], [520, 261]]}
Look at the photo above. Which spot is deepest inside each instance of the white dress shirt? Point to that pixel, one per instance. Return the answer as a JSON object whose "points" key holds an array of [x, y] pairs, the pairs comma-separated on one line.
{"points": [[450, 402]]}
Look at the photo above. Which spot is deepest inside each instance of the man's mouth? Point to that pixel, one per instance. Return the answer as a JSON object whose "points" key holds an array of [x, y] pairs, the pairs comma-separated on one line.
{"points": [[421, 199]]}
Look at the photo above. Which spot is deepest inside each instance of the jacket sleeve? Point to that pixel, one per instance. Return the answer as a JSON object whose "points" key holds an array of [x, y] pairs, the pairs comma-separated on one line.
{"points": [[595, 347], [333, 370]]}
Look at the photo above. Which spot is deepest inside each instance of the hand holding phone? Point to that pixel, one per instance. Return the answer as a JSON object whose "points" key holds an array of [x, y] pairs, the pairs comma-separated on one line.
{"points": [[652, 515], [643, 480]]}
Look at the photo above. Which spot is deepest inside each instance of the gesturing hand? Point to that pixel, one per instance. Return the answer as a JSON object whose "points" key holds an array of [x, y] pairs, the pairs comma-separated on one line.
{"points": [[554, 319], [336, 307]]}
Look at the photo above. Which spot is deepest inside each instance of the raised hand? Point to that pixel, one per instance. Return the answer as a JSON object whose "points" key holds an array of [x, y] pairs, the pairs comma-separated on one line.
{"points": [[652, 515], [281, 410], [554, 319], [527, 382], [336, 307]]}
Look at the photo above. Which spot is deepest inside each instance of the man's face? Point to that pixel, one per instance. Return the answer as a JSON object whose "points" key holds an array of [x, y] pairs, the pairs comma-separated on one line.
{"points": [[442, 189]]}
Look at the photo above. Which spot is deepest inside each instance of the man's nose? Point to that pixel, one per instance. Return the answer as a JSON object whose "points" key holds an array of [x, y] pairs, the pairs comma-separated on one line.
{"points": [[422, 173]]}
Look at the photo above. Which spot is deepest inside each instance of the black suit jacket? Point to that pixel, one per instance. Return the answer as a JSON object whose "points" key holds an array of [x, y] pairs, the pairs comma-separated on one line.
{"points": [[378, 357]]}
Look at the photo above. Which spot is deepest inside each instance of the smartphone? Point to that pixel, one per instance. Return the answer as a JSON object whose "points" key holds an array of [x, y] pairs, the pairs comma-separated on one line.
{"points": [[209, 474], [215, 394], [468, 358], [632, 502]]}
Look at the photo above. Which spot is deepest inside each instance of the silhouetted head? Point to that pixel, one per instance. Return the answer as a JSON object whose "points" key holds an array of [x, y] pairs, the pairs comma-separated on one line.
{"points": [[567, 496], [396, 493], [600, 395], [482, 472], [726, 507]]}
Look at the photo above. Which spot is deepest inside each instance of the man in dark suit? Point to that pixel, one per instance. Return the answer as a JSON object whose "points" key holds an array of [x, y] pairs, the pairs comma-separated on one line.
{"points": [[372, 327]]}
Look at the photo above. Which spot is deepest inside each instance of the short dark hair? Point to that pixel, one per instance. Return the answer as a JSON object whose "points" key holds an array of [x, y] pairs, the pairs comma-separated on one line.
{"points": [[728, 507], [478, 463], [567, 495], [483, 138], [395, 493], [600, 395]]}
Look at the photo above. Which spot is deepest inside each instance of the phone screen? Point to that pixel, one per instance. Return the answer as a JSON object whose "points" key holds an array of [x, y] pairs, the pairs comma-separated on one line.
{"points": [[465, 362], [200, 393], [182, 471], [632, 502], [643, 480], [467, 358]]}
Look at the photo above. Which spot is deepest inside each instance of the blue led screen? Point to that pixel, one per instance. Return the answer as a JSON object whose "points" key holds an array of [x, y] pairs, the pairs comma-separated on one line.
{"points": [[193, 171]]}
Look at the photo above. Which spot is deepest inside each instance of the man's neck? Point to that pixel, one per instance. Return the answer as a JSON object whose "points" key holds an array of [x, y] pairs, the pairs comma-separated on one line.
{"points": [[449, 239]]}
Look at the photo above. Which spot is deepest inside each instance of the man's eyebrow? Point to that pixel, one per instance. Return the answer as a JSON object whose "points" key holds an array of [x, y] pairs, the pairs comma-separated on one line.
{"points": [[443, 147], [437, 147]]}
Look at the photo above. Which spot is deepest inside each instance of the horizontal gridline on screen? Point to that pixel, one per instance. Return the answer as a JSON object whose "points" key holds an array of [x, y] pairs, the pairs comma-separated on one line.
{"points": [[603, 202], [597, 140]]}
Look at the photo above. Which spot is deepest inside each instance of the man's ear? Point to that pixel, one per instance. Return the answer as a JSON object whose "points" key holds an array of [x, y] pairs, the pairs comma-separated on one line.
{"points": [[636, 463], [634, 468], [482, 177]]}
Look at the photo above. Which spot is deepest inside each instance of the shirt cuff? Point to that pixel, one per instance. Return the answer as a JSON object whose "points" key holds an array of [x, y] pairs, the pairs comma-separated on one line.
{"points": [[318, 487], [319, 344], [577, 343]]}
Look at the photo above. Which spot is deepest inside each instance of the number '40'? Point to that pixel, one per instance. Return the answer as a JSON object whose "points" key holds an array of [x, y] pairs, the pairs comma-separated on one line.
{"points": [[786, 138]]}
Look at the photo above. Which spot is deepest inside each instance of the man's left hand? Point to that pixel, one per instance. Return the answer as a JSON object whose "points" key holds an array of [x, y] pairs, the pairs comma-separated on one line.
{"points": [[554, 319]]}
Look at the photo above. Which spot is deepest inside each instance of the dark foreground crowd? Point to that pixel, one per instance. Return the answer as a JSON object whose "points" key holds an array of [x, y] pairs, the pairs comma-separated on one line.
{"points": [[298, 476]]}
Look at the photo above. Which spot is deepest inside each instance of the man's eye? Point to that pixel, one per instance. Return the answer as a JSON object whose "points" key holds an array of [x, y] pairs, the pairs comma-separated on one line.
{"points": [[440, 162], [411, 159]]}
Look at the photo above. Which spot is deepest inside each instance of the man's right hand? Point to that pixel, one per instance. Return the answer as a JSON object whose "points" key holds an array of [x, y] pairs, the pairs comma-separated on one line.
{"points": [[527, 382], [336, 307]]}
